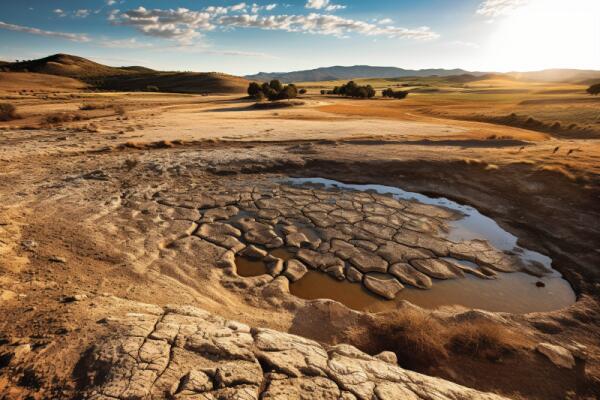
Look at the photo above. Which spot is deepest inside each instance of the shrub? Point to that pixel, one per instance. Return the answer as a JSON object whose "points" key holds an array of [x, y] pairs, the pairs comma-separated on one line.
{"points": [[323, 91], [152, 88], [351, 89], [273, 90], [400, 94], [8, 112], [276, 85], [485, 340], [94, 106], [416, 338], [594, 90], [302, 91], [59, 118], [254, 89]]}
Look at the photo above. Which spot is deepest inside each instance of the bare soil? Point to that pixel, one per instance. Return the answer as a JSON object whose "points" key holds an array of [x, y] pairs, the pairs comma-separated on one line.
{"points": [[80, 225]]}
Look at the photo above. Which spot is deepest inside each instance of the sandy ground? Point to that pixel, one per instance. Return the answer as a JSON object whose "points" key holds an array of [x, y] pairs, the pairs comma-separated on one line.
{"points": [[78, 217]]}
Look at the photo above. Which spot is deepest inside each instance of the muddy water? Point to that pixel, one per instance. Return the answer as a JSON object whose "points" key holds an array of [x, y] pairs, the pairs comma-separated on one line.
{"points": [[509, 292], [247, 267], [515, 293]]}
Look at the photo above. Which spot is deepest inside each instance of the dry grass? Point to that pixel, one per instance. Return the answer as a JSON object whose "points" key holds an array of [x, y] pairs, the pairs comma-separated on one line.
{"points": [[94, 106], [484, 340], [421, 342], [417, 339], [8, 112], [119, 110], [59, 118]]}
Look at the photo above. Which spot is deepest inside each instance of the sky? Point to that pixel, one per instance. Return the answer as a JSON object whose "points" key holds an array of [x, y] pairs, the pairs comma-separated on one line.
{"points": [[285, 35]]}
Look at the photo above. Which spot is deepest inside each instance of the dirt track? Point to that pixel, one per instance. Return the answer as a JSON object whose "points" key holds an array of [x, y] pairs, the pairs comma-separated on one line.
{"points": [[78, 217]]}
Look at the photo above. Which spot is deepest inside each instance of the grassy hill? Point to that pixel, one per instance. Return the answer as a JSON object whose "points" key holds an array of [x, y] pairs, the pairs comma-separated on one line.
{"points": [[17, 81], [133, 78]]}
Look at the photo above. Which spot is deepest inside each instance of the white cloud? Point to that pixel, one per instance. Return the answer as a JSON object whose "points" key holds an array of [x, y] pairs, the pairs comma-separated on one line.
{"points": [[323, 25], [238, 7], [82, 13], [181, 24], [255, 9], [75, 37], [385, 21], [185, 25], [59, 12], [111, 2], [496, 8], [323, 5]]}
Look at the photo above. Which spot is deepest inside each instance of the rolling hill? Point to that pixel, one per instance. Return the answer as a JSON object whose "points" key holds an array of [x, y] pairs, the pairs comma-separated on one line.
{"points": [[132, 78]]}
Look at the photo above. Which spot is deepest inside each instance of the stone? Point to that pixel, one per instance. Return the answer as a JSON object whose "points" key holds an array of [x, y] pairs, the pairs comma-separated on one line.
{"points": [[558, 355], [74, 298], [408, 275], [394, 252], [354, 275], [227, 260], [254, 252], [437, 268], [297, 239], [58, 259], [318, 260], [304, 388], [212, 359], [295, 270], [336, 271], [384, 287], [387, 356], [368, 262], [275, 267], [223, 235]]}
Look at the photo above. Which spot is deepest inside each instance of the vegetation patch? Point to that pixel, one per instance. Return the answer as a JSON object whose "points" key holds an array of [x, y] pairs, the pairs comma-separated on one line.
{"points": [[398, 94], [272, 91], [421, 342], [8, 112], [352, 89]]}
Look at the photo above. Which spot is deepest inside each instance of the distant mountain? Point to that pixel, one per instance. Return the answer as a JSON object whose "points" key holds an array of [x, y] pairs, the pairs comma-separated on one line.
{"points": [[559, 75], [366, 71], [133, 78], [354, 72]]}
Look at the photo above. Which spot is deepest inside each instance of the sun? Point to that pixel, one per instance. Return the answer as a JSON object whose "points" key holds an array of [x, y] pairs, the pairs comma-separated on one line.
{"points": [[546, 34]]}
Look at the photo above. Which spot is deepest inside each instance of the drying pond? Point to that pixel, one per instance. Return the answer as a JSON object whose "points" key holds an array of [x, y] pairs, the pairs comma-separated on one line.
{"points": [[516, 292], [371, 246]]}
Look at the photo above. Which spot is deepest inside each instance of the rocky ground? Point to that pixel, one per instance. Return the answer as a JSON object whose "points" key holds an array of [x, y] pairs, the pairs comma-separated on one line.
{"points": [[120, 255]]}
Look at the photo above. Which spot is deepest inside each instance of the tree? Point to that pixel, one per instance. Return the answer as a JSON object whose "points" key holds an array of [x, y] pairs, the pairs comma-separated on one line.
{"points": [[254, 89], [400, 94], [276, 85], [288, 92], [273, 90], [594, 90], [302, 91], [323, 91], [370, 91]]}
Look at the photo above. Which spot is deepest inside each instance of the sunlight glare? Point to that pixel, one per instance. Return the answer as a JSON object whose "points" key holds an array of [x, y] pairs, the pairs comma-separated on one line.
{"points": [[547, 34]]}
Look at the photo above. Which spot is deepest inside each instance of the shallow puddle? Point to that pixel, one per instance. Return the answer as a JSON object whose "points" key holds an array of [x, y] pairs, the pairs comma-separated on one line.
{"points": [[509, 292], [247, 267], [515, 293]]}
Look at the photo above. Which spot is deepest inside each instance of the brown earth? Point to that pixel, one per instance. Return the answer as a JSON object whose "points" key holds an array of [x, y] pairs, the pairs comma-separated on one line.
{"points": [[100, 213]]}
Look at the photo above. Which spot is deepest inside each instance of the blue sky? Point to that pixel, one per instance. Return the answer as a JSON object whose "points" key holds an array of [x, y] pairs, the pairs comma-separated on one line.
{"points": [[273, 35]]}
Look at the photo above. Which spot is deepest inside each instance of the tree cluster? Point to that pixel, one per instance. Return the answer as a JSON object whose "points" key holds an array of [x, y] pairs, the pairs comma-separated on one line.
{"points": [[351, 89], [594, 90], [400, 94], [273, 90]]}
